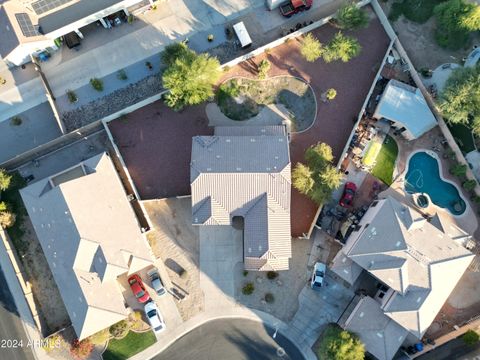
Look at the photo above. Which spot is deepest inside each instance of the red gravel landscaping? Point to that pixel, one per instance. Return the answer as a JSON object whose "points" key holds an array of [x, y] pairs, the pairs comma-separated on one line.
{"points": [[155, 142]]}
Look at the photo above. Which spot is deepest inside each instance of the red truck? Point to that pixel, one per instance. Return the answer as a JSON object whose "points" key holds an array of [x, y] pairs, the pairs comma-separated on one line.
{"points": [[294, 6]]}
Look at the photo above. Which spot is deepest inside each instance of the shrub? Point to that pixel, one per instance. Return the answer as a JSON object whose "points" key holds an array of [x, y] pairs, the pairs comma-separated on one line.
{"points": [[100, 337], [342, 48], [81, 349], [131, 18], [245, 272], [248, 289], [310, 48], [272, 275], [122, 75], [331, 94], [97, 84], [16, 121], [469, 185], [470, 337], [119, 330], [149, 65], [53, 342], [72, 97], [3, 206], [7, 219], [263, 69], [269, 298], [459, 170], [349, 16]]}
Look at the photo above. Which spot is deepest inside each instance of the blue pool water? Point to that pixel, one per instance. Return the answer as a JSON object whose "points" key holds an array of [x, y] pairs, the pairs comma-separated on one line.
{"points": [[423, 177]]}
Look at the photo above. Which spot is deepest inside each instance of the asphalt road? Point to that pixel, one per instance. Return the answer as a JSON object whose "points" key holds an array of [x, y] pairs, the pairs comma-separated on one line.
{"points": [[231, 339], [13, 340]]}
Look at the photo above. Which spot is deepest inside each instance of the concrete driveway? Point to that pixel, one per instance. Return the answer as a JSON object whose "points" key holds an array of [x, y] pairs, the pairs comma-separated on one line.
{"points": [[221, 248], [317, 309]]}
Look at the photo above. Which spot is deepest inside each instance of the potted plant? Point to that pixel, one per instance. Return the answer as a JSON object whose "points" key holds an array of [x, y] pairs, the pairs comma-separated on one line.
{"points": [[210, 37], [72, 97], [149, 65]]}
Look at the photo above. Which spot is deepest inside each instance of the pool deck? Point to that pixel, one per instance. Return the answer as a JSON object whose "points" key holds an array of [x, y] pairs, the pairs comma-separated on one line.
{"points": [[468, 221]]}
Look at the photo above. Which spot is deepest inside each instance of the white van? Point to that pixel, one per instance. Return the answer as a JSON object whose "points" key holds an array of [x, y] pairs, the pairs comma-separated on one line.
{"points": [[242, 34]]}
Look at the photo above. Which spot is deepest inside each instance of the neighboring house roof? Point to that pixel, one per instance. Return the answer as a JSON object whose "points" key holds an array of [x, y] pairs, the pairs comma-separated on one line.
{"points": [[90, 236], [381, 335], [9, 39], [411, 256], [73, 12], [248, 176], [405, 104]]}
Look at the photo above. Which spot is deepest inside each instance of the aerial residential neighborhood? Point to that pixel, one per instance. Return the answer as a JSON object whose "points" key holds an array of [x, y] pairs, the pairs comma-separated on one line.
{"points": [[239, 179]]}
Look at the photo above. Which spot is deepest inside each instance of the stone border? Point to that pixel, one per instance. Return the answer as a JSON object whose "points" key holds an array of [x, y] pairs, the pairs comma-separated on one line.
{"points": [[433, 154], [274, 77]]}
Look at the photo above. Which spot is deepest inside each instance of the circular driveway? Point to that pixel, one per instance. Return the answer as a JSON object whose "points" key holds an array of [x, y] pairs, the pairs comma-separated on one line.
{"points": [[231, 339]]}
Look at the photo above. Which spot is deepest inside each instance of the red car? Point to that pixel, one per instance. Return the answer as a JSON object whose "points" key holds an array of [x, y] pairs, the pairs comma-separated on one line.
{"points": [[291, 7], [348, 194], [138, 288]]}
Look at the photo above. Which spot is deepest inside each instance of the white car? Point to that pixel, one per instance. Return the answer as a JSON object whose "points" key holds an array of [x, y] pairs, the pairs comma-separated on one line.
{"points": [[156, 281], [154, 317], [318, 275]]}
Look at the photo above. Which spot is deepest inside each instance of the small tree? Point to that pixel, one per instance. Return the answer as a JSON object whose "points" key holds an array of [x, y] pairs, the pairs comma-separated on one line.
{"points": [[122, 75], [458, 170], [455, 19], [338, 344], [189, 78], [342, 48], [469, 185], [16, 121], [460, 100], [310, 48], [175, 51], [470, 337], [5, 180], [97, 84], [351, 17], [302, 179], [7, 219], [263, 69], [119, 329]]}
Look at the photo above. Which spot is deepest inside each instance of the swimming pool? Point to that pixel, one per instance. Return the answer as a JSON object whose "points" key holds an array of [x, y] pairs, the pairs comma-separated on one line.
{"points": [[423, 176]]}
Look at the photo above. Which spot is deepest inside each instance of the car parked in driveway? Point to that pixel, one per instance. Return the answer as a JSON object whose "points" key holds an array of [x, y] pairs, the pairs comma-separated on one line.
{"points": [[138, 289], [348, 194], [318, 275], [155, 318], [156, 281]]}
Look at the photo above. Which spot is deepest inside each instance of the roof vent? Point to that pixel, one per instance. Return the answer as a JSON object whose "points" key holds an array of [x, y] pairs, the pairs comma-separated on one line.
{"points": [[419, 299], [218, 156], [362, 314], [249, 250], [209, 169], [280, 139], [380, 335], [239, 169], [252, 140], [228, 140], [259, 247], [398, 243]]}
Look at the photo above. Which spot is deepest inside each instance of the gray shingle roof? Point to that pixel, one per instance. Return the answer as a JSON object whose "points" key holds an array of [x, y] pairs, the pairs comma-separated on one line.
{"points": [[410, 255], [90, 235], [246, 175]]}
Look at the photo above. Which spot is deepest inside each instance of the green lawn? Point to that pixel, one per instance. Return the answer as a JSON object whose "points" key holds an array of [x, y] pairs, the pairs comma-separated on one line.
{"points": [[463, 136], [130, 345], [383, 169], [418, 11]]}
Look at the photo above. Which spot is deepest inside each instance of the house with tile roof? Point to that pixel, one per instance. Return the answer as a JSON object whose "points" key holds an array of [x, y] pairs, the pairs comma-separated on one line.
{"points": [[242, 175], [416, 265], [90, 236]]}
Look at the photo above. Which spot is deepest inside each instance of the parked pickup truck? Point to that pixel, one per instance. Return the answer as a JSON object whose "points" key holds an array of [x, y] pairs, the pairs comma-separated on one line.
{"points": [[294, 6]]}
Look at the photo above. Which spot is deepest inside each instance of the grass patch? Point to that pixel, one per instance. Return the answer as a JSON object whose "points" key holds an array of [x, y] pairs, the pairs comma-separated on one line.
{"points": [[372, 153], [418, 11], [130, 345], [463, 137], [12, 197], [383, 170]]}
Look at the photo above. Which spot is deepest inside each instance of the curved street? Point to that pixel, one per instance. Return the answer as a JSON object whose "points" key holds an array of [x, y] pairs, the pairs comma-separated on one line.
{"points": [[231, 339]]}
